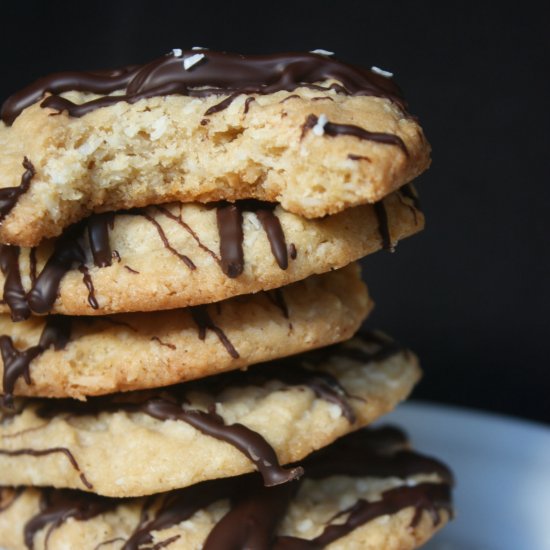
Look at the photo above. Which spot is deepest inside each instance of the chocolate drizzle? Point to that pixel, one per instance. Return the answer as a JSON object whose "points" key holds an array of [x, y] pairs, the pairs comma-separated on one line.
{"points": [[14, 293], [253, 519], [58, 506], [98, 235], [89, 284], [166, 242], [277, 298], [248, 442], [408, 192], [256, 511], [10, 195], [69, 252], [53, 450], [56, 333], [218, 74], [332, 129], [425, 497], [230, 227], [383, 225], [204, 322]]}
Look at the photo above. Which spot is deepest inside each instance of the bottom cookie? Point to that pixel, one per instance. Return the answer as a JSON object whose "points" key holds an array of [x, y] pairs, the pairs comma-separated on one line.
{"points": [[367, 491]]}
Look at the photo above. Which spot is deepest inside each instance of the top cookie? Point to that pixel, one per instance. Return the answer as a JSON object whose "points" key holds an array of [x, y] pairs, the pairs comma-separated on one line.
{"points": [[304, 130]]}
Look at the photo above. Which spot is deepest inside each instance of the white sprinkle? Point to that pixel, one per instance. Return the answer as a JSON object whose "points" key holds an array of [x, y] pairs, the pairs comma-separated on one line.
{"points": [[192, 60], [198, 48], [304, 525], [254, 221], [319, 128], [322, 52], [177, 52], [411, 483], [381, 72], [159, 127]]}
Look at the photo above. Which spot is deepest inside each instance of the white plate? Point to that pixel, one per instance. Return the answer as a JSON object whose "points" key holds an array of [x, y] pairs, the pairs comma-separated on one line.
{"points": [[502, 467]]}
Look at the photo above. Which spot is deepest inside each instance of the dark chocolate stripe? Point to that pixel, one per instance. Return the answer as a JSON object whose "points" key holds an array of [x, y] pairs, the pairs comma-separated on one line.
{"points": [[252, 520], [230, 228], [56, 333], [14, 293], [383, 224], [408, 191], [32, 265], [247, 441], [98, 235], [89, 284], [187, 261], [333, 130], [204, 322], [177, 507], [272, 227], [58, 506], [67, 252], [10, 195], [189, 229], [219, 73], [277, 298]]}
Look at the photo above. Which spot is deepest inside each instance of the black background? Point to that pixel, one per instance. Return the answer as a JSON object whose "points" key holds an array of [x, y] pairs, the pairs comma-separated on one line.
{"points": [[471, 293]]}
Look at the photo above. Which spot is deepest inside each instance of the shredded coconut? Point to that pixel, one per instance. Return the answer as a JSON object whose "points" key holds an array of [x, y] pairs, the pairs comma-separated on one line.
{"points": [[198, 48], [304, 525], [192, 60], [334, 411], [381, 72], [177, 52], [322, 52], [319, 128]]}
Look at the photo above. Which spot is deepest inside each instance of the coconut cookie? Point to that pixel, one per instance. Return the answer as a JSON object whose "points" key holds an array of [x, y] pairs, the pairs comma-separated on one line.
{"points": [[217, 427], [305, 130], [368, 491], [60, 356], [170, 256]]}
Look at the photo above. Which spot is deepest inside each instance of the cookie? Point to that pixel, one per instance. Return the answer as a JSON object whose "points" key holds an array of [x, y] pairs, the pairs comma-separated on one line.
{"points": [[164, 257], [368, 491], [305, 130], [217, 427], [60, 356]]}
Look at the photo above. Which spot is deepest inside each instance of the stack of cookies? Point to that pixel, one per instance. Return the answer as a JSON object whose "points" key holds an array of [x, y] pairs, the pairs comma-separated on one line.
{"points": [[181, 363]]}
